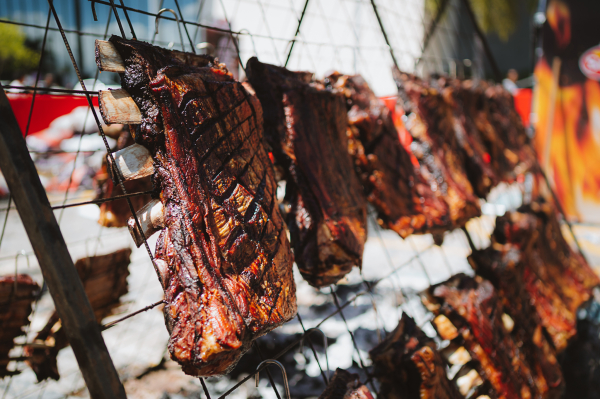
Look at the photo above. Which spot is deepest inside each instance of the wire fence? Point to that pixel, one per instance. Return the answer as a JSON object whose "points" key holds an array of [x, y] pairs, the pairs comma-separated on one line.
{"points": [[316, 35]]}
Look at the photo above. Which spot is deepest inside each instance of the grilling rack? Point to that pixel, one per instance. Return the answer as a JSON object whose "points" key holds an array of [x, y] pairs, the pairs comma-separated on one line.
{"points": [[380, 29]]}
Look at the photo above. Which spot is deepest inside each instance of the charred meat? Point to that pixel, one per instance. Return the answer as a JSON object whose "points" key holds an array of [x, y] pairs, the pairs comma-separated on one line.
{"points": [[305, 125], [223, 256], [409, 366], [345, 385]]}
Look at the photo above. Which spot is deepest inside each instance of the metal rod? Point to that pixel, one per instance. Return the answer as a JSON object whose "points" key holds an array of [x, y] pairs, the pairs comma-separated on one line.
{"points": [[432, 28], [51, 89], [383, 32], [185, 28], [128, 20], [486, 46], [297, 33], [114, 323], [57, 267]]}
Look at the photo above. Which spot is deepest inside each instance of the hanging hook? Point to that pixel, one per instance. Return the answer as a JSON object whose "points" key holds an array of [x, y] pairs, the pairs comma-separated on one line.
{"points": [[20, 253], [306, 333], [176, 20], [208, 46], [285, 380], [251, 38], [94, 10]]}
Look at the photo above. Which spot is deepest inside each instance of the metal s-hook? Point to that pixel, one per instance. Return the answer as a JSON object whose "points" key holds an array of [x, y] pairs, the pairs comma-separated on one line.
{"points": [[285, 379], [176, 20], [310, 330]]}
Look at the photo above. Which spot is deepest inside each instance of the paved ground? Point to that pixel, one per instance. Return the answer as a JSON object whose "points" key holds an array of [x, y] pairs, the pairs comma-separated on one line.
{"points": [[137, 345]]}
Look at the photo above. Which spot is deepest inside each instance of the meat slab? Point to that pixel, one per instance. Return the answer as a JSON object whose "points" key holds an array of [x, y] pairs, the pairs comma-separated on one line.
{"points": [[476, 311], [305, 125], [345, 385], [17, 293], [223, 256], [104, 279], [557, 279], [393, 184], [432, 124], [409, 366]]}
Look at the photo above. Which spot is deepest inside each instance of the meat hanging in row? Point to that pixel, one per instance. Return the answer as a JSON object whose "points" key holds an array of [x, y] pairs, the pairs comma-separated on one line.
{"points": [[17, 293], [222, 256], [104, 279], [508, 355], [305, 125], [392, 183], [431, 122], [409, 366]]}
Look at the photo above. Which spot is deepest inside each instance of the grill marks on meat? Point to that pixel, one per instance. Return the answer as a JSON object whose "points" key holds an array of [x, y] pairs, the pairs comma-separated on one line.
{"points": [[223, 256], [306, 126], [432, 125], [402, 197], [557, 279], [476, 310], [17, 293], [409, 366], [104, 279], [345, 385]]}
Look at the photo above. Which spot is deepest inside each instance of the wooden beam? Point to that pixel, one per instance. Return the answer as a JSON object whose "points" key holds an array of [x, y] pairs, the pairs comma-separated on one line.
{"points": [[72, 304], [108, 58], [133, 162], [117, 106], [152, 219]]}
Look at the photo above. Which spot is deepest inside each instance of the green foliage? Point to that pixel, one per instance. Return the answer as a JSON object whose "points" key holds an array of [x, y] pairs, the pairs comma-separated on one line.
{"points": [[493, 16], [15, 55]]}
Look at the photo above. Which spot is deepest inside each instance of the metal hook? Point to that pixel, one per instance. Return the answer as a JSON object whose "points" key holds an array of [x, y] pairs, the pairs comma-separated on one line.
{"points": [[94, 10], [176, 20], [251, 38], [306, 333], [20, 253], [285, 379], [206, 45]]}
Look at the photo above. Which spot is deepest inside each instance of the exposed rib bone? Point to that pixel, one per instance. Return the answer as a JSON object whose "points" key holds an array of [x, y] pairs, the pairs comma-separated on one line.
{"points": [[107, 57], [133, 162], [151, 218], [117, 106]]}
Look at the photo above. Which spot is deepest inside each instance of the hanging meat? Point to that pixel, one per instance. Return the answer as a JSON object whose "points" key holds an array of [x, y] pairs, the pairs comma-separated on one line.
{"points": [[345, 385], [17, 293], [557, 279], [104, 279], [409, 366], [473, 309], [117, 213], [431, 122], [222, 256], [305, 125], [403, 198]]}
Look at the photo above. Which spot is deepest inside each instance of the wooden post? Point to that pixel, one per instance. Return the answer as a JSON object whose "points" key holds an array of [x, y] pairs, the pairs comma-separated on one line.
{"points": [[67, 291]]}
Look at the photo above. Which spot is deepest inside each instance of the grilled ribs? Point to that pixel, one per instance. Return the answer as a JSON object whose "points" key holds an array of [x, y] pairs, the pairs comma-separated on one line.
{"points": [[116, 213], [305, 125], [409, 366], [223, 256], [431, 122], [17, 293], [104, 279], [476, 309], [403, 198], [345, 385]]}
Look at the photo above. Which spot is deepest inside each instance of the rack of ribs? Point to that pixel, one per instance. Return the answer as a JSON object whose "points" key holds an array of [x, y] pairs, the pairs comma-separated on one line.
{"points": [[222, 256], [477, 161], [409, 366], [17, 293], [402, 197], [117, 213], [345, 385], [558, 280], [471, 313], [305, 125], [431, 123], [104, 279]]}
